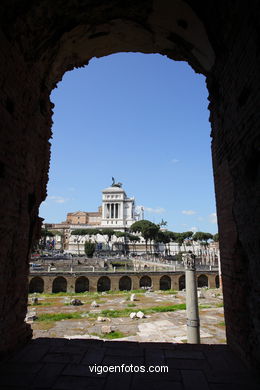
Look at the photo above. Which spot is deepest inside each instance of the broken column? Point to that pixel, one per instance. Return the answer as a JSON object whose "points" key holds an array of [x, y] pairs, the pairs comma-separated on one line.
{"points": [[193, 323]]}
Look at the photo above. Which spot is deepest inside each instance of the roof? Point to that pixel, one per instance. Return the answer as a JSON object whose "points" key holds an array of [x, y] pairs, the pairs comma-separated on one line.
{"points": [[113, 189]]}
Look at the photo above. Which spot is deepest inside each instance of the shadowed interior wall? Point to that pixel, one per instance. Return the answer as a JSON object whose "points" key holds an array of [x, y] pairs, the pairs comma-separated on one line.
{"points": [[42, 40]]}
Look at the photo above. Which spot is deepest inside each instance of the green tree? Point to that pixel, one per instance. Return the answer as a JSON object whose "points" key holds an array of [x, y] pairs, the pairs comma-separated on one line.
{"points": [[121, 237], [202, 237], [216, 237], [108, 233], [147, 229], [164, 238], [133, 239], [89, 248], [44, 234]]}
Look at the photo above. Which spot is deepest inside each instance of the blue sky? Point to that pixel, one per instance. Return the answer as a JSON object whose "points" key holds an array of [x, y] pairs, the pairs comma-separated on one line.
{"points": [[143, 119]]}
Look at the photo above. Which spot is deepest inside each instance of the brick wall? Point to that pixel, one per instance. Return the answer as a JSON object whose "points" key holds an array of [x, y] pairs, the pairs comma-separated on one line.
{"points": [[39, 43]]}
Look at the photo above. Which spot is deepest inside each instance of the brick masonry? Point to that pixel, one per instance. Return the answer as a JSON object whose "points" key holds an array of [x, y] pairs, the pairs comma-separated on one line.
{"points": [[40, 41], [93, 278]]}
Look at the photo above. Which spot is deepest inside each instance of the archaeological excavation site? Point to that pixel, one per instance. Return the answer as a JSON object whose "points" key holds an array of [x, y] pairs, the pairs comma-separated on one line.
{"points": [[42, 40]]}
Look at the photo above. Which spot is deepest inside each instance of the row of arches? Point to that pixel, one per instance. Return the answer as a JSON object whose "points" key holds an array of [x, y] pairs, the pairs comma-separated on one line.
{"points": [[59, 284]]}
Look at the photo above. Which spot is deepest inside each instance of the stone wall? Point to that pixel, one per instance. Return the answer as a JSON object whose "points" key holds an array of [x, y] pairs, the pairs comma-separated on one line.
{"points": [[93, 278], [42, 40]]}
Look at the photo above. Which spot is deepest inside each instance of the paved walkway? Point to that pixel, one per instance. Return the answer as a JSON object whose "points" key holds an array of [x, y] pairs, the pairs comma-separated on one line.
{"points": [[61, 364]]}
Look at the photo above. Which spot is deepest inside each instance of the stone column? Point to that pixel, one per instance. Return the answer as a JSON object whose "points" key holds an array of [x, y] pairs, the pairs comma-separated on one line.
{"points": [[193, 323]]}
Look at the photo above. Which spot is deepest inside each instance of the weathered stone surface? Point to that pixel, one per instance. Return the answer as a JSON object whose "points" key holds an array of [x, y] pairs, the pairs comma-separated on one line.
{"points": [[42, 40], [76, 302]]}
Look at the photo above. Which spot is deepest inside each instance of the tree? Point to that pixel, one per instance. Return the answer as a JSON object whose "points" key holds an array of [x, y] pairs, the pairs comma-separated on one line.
{"points": [[187, 236], [134, 239], [202, 237], [216, 237], [119, 235], [89, 248], [108, 233], [163, 237], [44, 234], [147, 229]]}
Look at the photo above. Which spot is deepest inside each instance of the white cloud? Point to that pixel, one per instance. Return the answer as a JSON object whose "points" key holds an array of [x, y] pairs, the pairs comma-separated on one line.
{"points": [[57, 199], [194, 229], [189, 212], [213, 218], [175, 161], [158, 210]]}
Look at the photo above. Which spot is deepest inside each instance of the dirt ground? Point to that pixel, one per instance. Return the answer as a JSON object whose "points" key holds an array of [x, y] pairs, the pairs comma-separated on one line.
{"points": [[165, 326]]}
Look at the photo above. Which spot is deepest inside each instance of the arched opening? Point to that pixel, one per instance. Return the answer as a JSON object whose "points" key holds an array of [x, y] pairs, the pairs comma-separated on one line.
{"points": [[203, 281], [165, 283], [217, 281], [82, 284], [182, 283], [36, 285], [59, 285], [103, 284], [125, 283], [182, 32], [145, 281]]}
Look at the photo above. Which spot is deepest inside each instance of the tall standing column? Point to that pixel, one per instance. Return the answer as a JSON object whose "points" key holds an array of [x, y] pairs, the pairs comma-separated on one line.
{"points": [[193, 322]]}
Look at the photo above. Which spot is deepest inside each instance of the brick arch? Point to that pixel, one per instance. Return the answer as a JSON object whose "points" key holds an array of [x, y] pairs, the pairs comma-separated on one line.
{"points": [[36, 285], [81, 284], [145, 281], [182, 282], [203, 280], [217, 284], [125, 283], [103, 284], [59, 284], [165, 282], [36, 55]]}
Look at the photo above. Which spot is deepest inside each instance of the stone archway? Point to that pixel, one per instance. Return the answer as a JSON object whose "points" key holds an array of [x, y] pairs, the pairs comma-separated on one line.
{"points": [[182, 282], [203, 281], [217, 281], [165, 283], [145, 281], [125, 283], [36, 285], [103, 284], [81, 284], [36, 55], [59, 284]]}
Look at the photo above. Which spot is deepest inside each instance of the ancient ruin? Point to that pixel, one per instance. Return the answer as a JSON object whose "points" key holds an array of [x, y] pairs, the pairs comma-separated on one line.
{"points": [[42, 40]]}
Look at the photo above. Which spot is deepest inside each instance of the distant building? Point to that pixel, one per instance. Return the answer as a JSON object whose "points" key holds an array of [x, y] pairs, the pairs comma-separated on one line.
{"points": [[85, 217], [116, 212]]}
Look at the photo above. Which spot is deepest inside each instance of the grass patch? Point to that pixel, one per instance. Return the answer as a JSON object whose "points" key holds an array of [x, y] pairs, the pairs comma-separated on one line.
{"points": [[150, 310], [168, 292], [110, 336], [86, 294], [222, 323], [220, 304], [130, 305], [58, 316], [41, 304], [205, 306]]}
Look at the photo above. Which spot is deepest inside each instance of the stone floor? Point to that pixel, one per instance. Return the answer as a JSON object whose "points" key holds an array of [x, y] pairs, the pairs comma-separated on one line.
{"points": [[62, 364]]}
